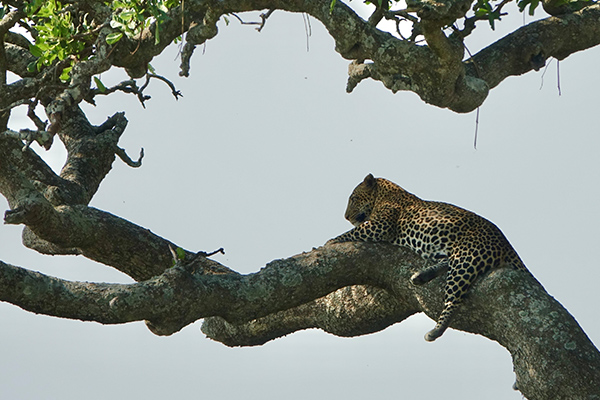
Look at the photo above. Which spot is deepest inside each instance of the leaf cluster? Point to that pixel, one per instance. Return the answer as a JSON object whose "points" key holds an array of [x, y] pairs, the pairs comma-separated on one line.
{"points": [[62, 32], [57, 35], [130, 17], [483, 9], [522, 4]]}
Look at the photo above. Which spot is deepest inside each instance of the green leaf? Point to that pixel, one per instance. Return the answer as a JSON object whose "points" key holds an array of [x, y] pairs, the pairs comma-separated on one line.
{"points": [[114, 37], [532, 7], [180, 253], [491, 21], [100, 85], [331, 6], [127, 15], [531, 3], [151, 69], [35, 50], [32, 66], [66, 74]]}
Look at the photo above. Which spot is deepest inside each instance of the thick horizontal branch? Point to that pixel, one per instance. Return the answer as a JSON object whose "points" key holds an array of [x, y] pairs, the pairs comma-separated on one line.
{"points": [[202, 288], [95, 234], [529, 47], [434, 73], [553, 358], [437, 75]]}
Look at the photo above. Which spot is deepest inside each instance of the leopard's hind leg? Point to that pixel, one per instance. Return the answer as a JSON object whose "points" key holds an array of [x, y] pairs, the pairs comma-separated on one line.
{"points": [[460, 279]]}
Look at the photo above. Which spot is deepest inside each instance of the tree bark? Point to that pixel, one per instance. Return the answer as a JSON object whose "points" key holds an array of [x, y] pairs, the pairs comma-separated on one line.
{"points": [[437, 71], [346, 289]]}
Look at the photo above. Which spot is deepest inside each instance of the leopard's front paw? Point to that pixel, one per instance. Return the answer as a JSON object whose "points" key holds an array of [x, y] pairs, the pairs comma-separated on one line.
{"points": [[417, 279]]}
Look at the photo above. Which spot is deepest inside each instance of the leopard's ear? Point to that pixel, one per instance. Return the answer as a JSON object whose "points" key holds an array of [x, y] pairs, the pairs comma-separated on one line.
{"points": [[369, 181]]}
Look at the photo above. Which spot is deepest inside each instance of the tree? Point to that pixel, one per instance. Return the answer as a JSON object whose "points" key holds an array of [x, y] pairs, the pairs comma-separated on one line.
{"points": [[58, 220]]}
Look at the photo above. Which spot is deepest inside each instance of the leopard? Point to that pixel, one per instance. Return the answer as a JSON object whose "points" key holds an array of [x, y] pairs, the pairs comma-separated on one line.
{"points": [[452, 240]]}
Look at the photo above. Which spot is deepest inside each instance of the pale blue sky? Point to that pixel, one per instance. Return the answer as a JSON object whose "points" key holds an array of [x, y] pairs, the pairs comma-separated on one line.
{"points": [[259, 157]]}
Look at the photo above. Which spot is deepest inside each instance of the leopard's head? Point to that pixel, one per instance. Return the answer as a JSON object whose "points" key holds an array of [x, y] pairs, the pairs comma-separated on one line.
{"points": [[361, 202]]}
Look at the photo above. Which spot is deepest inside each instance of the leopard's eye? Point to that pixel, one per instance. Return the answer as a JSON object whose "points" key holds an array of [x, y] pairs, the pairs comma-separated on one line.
{"points": [[360, 218]]}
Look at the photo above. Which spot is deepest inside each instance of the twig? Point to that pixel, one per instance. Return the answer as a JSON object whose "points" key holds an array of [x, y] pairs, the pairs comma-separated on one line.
{"points": [[476, 129], [176, 93], [558, 76], [398, 16], [205, 254], [263, 17], [127, 160], [307, 29], [130, 86], [472, 61], [177, 257], [212, 253]]}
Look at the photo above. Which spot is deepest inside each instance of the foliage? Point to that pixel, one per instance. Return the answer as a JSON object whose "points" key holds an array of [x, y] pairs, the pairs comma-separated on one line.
{"points": [[133, 16], [73, 41], [531, 3], [61, 34], [482, 8], [56, 34]]}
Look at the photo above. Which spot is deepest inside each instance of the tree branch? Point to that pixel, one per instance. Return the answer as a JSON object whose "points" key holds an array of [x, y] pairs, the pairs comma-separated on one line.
{"points": [[350, 311], [198, 289], [445, 82], [553, 358], [435, 72], [522, 50], [90, 151], [95, 234]]}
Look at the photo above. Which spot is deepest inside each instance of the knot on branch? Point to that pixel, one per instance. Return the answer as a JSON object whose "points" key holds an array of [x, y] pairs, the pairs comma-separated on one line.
{"points": [[358, 71], [470, 93], [42, 137], [33, 209]]}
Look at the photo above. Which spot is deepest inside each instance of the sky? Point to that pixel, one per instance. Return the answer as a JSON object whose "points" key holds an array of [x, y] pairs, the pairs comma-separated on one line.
{"points": [[259, 157]]}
